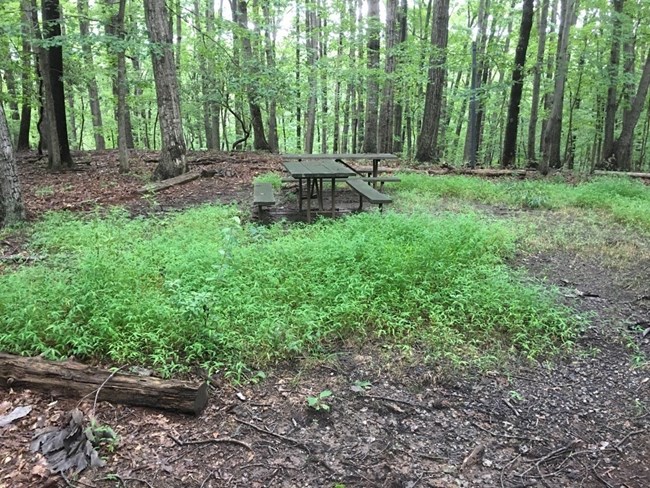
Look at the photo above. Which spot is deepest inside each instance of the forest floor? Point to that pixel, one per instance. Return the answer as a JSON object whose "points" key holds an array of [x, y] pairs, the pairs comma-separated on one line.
{"points": [[578, 420]]}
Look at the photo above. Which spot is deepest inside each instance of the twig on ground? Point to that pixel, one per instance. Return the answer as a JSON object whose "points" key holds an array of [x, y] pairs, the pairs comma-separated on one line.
{"points": [[600, 478], [207, 478], [509, 463], [511, 407], [297, 443], [507, 436], [636, 432], [395, 400], [218, 440], [473, 456]]}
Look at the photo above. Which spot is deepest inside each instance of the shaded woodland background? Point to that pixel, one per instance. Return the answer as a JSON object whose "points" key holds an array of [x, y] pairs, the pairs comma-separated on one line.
{"points": [[556, 84]]}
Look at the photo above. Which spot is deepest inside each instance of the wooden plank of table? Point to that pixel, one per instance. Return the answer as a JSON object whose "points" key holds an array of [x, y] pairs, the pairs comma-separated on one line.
{"points": [[318, 169], [354, 156]]}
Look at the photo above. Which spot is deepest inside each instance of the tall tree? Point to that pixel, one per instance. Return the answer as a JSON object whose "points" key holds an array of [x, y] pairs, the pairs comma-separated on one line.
{"points": [[91, 80], [25, 77], [172, 160], [52, 32], [398, 139], [621, 149], [612, 74], [427, 146], [510, 138], [250, 66], [11, 204], [311, 25], [117, 23], [372, 93], [537, 78], [553, 131], [387, 109]]}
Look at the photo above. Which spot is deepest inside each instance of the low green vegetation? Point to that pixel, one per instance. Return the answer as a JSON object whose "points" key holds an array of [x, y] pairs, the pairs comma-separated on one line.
{"points": [[621, 199], [200, 287]]}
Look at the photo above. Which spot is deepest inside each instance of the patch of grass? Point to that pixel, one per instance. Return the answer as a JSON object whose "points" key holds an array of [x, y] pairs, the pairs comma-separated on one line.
{"points": [[200, 288], [274, 178], [620, 199]]}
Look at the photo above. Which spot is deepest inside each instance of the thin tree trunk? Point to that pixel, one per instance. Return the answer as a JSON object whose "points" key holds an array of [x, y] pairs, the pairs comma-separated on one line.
{"points": [[537, 78], [123, 150], [621, 150], [312, 55], [27, 86], [372, 93], [269, 38], [322, 50], [553, 132], [11, 203], [93, 91], [510, 137], [612, 74], [427, 145], [398, 130], [251, 62], [172, 161], [387, 110]]}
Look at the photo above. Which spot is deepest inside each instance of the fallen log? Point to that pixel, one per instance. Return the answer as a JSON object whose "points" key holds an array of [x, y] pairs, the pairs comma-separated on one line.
{"points": [[631, 174], [168, 183], [75, 380]]}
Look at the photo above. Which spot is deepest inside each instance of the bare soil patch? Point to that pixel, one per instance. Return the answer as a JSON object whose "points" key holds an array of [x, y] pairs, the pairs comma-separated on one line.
{"points": [[579, 420]]}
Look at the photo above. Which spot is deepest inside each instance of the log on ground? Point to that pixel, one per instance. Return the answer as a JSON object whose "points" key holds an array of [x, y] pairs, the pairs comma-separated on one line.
{"points": [[168, 183], [75, 380]]}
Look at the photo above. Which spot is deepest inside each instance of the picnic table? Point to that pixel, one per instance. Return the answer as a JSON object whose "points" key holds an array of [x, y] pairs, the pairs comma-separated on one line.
{"points": [[374, 157], [314, 172]]}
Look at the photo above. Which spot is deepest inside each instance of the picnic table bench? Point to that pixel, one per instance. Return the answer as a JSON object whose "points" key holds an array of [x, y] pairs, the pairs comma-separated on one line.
{"points": [[366, 191], [263, 195]]}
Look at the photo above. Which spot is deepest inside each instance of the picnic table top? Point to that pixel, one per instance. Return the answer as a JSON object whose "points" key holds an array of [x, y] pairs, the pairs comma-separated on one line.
{"points": [[313, 157], [318, 169]]}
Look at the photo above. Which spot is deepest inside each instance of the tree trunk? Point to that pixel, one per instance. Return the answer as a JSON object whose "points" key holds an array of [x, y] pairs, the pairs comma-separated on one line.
{"points": [[398, 131], [93, 91], [510, 137], [26, 77], [269, 38], [612, 74], [322, 53], [622, 146], [427, 145], [372, 94], [387, 109], [312, 55], [250, 63], [172, 160], [70, 379], [123, 150], [548, 96], [11, 203], [553, 132], [537, 78], [52, 30]]}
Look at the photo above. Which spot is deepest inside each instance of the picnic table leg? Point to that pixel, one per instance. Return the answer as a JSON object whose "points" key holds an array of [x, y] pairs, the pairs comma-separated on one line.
{"points": [[309, 188], [333, 188], [375, 171], [300, 194], [319, 189]]}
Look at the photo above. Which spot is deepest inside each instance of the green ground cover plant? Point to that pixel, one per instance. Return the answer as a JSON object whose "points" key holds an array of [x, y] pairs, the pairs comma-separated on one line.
{"points": [[200, 287], [621, 199]]}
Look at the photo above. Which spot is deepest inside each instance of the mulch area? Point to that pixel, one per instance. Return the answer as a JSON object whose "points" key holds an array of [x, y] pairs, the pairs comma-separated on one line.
{"points": [[580, 420]]}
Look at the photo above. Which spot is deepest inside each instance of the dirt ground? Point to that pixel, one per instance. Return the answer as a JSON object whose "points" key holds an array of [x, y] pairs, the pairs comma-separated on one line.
{"points": [[578, 421]]}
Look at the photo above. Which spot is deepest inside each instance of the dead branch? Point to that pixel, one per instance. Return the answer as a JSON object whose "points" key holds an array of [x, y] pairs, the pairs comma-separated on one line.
{"points": [[297, 443], [218, 440]]}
